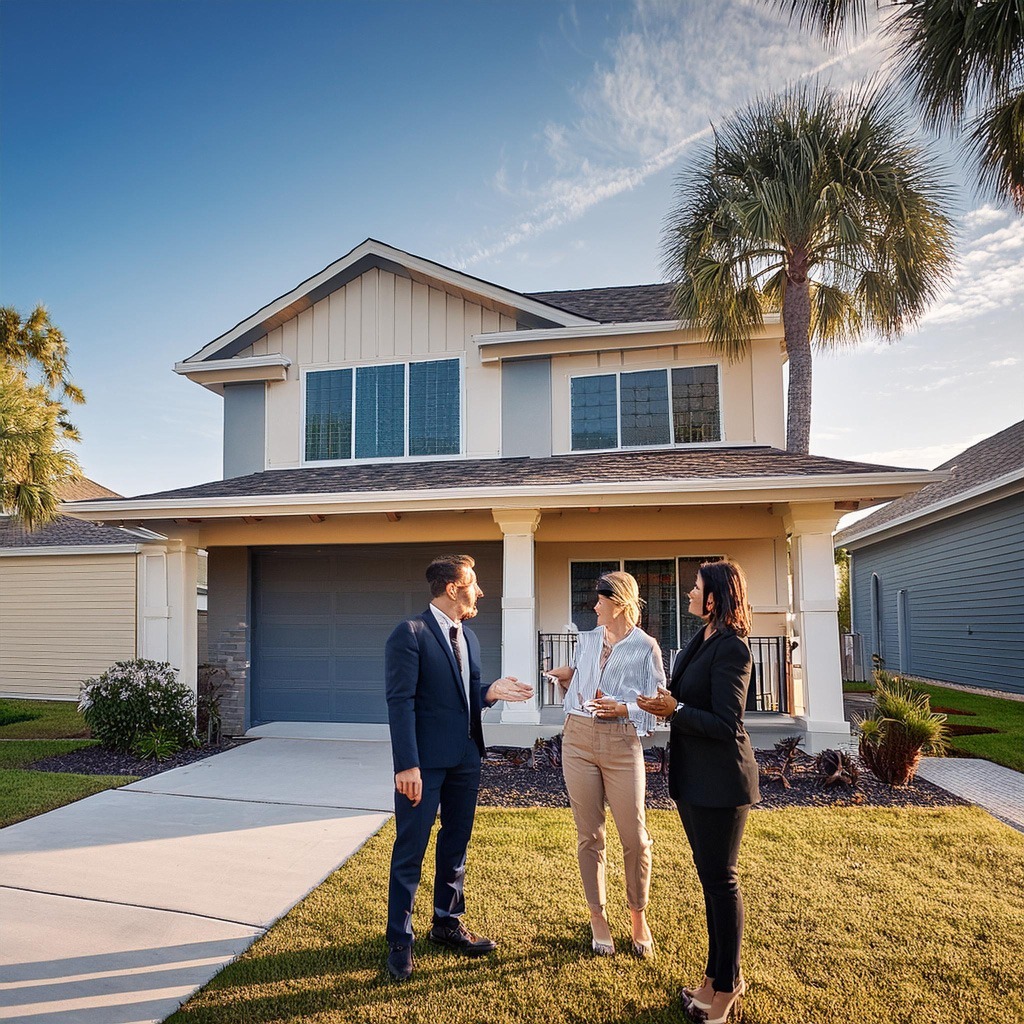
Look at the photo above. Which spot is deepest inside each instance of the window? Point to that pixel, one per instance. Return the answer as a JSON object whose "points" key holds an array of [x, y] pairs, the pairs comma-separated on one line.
{"points": [[664, 585], [385, 411], [645, 408]]}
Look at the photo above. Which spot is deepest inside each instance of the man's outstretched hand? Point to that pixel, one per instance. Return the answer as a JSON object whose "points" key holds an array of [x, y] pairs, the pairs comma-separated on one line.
{"points": [[509, 688]]}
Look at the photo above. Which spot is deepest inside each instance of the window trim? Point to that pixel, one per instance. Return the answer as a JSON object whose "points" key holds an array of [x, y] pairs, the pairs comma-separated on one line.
{"points": [[383, 460], [667, 370]]}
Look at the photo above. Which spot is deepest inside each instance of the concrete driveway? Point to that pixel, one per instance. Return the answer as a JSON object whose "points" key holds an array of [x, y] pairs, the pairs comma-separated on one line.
{"points": [[115, 909]]}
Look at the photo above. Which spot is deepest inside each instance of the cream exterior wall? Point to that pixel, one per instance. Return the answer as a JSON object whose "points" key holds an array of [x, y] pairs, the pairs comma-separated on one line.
{"points": [[381, 317], [63, 619]]}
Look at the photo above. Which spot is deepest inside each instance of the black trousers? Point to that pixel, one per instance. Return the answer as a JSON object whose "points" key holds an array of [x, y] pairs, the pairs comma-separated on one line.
{"points": [[714, 834], [454, 792]]}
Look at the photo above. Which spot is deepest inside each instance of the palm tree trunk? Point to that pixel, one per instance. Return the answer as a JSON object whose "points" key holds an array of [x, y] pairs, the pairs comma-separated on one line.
{"points": [[796, 323]]}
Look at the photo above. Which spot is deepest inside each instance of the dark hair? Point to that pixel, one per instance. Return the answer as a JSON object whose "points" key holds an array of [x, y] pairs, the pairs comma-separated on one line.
{"points": [[725, 582], [447, 569]]}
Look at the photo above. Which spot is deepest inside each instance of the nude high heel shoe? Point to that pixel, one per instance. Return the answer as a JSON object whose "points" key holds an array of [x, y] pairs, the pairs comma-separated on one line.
{"points": [[689, 995], [734, 1006]]}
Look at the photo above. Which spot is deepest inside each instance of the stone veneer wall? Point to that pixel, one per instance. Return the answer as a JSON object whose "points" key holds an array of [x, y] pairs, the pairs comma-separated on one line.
{"points": [[228, 631]]}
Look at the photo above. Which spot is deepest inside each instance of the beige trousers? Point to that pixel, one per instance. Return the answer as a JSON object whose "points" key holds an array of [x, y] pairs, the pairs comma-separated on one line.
{"points": [[604, 762]]}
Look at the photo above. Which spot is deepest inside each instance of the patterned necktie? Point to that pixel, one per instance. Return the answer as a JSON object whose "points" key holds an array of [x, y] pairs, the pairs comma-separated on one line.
{"points": [[453, 634]]}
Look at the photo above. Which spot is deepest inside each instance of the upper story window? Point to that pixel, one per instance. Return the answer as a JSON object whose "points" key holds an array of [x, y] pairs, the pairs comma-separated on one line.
{"points": [[646, 407], [385, 411]]}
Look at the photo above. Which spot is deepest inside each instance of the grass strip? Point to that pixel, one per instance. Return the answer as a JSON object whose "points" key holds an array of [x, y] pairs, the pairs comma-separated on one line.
{"points": [[24, 794], [878, 916]]}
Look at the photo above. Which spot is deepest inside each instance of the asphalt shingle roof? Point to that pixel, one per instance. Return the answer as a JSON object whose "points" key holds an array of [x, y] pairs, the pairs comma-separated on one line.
{"points": [[994, 457], [628, 304], [611, 467], [64, 531]]}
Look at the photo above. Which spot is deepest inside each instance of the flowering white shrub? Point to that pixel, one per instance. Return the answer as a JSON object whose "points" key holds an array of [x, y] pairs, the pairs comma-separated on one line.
{"points": [[135, 698]]}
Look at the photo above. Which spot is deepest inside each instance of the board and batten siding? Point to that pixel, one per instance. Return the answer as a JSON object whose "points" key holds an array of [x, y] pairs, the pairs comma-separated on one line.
{"points": [[963, 598], [375, 318], [63, 619]]}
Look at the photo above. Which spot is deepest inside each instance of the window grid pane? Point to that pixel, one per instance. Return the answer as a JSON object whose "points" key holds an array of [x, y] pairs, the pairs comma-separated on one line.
{"points": [[656, 579], [695, 404], [434, 394], [583, 580], [643, 402], [329, 415], [594, 412], [380, 411]]}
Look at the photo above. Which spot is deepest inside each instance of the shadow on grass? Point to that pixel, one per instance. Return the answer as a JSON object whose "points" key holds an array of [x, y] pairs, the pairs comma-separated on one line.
{"points": [[351, 983]]}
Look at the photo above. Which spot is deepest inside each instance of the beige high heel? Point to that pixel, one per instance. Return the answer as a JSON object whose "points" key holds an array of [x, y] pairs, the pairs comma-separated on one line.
{"points": [[689, 995], [734, 1006], [599, 946]]}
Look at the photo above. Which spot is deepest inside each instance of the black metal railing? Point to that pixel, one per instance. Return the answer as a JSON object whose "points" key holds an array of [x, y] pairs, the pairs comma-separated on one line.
{"points": [[771, 680]]}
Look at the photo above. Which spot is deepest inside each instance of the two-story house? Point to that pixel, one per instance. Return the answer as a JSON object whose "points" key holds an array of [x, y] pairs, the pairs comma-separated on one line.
{"points": [[391, 408]]}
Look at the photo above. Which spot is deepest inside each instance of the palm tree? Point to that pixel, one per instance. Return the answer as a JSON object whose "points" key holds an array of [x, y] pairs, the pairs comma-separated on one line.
{"points": [[962, 60], [33, 416], [817, 205]]}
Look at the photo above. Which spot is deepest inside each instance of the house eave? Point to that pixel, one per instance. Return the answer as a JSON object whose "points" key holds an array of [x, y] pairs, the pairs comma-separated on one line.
{"points": [[215, 373], [992, 490], [500, 345], [65, 550], [672, 492]]}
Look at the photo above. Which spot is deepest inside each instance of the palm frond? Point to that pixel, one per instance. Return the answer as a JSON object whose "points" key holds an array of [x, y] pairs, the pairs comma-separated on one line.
{"points": [[996, 140]]}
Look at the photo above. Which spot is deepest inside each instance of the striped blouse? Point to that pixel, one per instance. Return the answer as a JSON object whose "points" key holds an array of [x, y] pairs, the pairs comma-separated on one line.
{"points": [[633, 667]]}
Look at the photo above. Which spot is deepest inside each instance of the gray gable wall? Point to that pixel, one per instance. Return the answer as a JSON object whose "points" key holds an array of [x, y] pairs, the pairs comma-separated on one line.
{"points": [[963, 598]]}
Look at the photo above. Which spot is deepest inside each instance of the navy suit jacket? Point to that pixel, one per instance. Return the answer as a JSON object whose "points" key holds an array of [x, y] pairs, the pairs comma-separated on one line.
{"points": [[711, 762], [428, 714]]}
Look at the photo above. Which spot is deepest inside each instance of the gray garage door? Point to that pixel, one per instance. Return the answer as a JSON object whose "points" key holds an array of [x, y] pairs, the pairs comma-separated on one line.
{"points": [[321, 616]]}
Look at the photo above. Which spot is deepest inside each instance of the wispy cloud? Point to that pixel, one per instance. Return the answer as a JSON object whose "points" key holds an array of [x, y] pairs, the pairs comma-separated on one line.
{"points": [[670, 71], [991, 272], [925, 456]]}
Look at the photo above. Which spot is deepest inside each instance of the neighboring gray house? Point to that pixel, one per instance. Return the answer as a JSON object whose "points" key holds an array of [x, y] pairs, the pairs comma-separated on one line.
{"points": [[937, 577]]}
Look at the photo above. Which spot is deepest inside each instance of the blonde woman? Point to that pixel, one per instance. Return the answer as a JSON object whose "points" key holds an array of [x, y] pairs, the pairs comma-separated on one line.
{"points": [[602, 758]]}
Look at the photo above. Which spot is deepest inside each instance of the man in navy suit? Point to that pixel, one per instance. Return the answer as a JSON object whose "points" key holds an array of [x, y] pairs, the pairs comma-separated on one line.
{"points": [[434, 694]]}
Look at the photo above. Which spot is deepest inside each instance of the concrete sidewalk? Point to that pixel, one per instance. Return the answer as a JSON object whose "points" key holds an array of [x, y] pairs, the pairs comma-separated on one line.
{"points": [[115, 909], [999, 790]]}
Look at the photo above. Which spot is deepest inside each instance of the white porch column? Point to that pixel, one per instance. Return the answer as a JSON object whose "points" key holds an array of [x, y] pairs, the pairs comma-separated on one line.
{"points": [[167, 614], [518, 608], [816, 612]]}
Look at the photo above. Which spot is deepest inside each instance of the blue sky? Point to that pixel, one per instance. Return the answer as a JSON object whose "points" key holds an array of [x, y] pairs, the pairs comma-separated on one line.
{"points": [[169, 166]]}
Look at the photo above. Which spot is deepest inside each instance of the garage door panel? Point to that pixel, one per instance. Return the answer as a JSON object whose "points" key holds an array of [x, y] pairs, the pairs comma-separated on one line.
{"points": [[321, 617]]}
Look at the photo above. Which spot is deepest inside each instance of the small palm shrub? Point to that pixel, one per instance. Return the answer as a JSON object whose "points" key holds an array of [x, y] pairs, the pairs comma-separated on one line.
{"points": [[902, 728], [133, 700]]}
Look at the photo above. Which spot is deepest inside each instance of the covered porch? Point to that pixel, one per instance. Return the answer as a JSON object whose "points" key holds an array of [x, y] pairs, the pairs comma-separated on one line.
{"points": [[310, 570]]}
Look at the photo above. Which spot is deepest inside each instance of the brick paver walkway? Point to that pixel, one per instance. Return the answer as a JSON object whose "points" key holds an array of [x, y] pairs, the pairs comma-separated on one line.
{"points": [[999, 790]]}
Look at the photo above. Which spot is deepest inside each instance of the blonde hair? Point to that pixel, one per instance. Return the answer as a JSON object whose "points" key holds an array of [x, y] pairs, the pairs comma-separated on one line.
{"points": [[624, 592]]}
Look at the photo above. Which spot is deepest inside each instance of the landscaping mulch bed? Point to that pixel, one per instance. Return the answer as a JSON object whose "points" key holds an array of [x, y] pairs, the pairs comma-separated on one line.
{"points": [[505, 784], [97, 761], [511, 777]]}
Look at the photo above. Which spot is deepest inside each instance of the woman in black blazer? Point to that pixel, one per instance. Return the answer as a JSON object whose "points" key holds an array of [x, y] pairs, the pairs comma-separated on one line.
{"points": [[712, 771]]}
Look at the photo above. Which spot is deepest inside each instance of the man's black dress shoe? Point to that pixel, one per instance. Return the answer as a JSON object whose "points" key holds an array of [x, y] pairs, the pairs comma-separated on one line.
{"points": [[461, 939], [399, 961]]}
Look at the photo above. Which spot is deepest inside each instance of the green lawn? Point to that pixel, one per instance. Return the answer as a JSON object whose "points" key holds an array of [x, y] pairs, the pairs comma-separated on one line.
{"points": [[1005, 747], [41, 719], [858, 686], [23, 794], [873, 916]]}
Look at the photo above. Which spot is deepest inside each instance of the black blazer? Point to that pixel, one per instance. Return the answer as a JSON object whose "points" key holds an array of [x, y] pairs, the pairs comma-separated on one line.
{"points": [[711, 762], [427, 711]]}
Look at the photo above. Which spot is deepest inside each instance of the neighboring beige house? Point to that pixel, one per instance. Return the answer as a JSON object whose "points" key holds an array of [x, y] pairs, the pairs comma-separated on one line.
{"points": [[390, 408], [70, 600]]}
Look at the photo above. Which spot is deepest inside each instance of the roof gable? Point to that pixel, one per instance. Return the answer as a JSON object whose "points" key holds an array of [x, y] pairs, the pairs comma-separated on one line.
{"points": [[528, 311]]}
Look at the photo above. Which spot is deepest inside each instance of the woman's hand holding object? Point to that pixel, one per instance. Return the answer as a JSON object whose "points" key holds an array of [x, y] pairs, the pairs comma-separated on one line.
{"points": [[662, 704]]}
